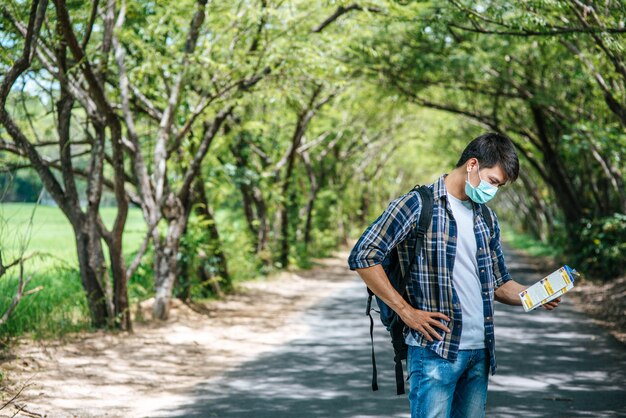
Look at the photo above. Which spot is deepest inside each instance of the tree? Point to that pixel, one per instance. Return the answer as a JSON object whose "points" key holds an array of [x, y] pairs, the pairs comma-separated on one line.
{"points": [[190, 107], [107, 302], [532, 89]]}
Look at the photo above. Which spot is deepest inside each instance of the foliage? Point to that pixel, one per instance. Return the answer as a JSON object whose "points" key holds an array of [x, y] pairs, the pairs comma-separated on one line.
{"points": [[327, 126], [598, 246], [529, 244], [59, 308], [199, 252]]}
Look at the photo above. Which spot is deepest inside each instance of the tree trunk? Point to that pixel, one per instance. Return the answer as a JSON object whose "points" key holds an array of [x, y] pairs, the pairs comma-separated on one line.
{"points": [[364, 207], [255, 208], [561, 183], [302, 124], [264, 226], [314, 187], [283, 257], [310, 204], [93, 272], [540, 208], [165, 268], [166, 251], [612, 174], [303, 121]]}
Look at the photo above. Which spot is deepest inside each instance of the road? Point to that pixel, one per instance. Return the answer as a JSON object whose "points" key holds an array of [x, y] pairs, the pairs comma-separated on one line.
{"points": [[551, 364]]}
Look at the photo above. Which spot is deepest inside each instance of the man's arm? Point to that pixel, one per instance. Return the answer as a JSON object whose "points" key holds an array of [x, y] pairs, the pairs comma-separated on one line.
{"points": [[375, 244], [508, 293], [508, 290], [422, 321]]}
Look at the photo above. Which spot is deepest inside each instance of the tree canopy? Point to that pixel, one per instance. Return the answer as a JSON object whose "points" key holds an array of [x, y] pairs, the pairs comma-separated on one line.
{"points": [[289, 124]]}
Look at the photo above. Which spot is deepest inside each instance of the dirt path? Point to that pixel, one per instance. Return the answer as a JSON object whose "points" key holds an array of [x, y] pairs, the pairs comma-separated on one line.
{"points": [[124, 375], [298, 346]]}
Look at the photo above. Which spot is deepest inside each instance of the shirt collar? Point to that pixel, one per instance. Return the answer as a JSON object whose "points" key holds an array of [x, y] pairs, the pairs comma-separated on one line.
{"points": [[440, 191], [439, 188]]}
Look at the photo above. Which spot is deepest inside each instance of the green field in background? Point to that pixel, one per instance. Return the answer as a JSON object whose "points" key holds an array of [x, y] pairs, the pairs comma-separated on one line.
{"points": [[60, 306], [52, 235]]}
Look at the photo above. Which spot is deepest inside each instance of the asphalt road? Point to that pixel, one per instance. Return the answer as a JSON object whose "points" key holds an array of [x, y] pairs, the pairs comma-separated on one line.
{"points": [[551, 364]]}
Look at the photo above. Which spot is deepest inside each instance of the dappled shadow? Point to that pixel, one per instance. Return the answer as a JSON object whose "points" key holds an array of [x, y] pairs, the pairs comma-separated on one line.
{"points": [[325, 374], [550, 364], [557, 363]]}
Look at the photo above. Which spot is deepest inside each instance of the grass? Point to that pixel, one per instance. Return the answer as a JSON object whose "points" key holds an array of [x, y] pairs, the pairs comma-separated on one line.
{"points": [[52, 233], [529, 244], [60, 306]]}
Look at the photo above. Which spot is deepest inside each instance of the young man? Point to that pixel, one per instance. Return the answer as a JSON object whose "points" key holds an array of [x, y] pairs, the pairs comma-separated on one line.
{"points": [[453, 282]]}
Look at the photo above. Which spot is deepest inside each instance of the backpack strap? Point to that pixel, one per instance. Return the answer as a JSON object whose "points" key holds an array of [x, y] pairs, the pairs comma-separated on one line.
{"points": [[426, 214], [488, 219], [420, 229], [397, 327], [368, 312], [415, 246]]}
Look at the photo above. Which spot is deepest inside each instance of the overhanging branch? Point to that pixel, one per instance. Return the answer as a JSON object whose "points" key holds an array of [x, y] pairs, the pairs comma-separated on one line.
{"points": [[341, 10]]}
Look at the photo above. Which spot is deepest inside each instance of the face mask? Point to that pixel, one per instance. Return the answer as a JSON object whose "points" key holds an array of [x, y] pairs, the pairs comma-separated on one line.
{"points": [[483, 193]]}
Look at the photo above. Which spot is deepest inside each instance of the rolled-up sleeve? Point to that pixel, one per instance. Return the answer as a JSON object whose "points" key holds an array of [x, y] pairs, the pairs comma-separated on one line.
{"points": [[389, 229], [500, 271]]}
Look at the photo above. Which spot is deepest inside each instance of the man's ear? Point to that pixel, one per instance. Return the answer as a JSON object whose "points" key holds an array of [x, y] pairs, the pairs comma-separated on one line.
{"points": [[470, 164]]}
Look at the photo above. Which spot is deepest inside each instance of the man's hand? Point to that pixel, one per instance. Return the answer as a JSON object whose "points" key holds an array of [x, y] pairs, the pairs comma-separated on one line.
{"points": [[424, 321], [552, 304]]}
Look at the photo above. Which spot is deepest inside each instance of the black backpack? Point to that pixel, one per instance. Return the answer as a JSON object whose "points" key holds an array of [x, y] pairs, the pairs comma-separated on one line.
{"points": [[398, 274]]}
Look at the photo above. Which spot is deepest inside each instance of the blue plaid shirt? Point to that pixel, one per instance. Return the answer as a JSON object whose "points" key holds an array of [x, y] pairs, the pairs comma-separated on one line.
{"points": [[431, 286]]}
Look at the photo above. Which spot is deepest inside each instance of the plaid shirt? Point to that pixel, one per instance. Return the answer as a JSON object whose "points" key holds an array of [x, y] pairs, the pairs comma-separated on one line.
{"points": [[431, 286]]}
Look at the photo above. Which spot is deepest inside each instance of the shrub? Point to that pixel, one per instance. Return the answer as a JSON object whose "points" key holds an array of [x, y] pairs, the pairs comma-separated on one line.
{"points": [[598, 247]]}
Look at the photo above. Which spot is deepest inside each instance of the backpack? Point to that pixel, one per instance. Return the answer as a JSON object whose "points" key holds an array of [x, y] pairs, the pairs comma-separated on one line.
{"points": [[398, 274]]}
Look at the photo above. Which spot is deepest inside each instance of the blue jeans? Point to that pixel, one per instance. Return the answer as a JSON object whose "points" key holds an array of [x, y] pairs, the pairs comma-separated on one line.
{"points": [[441, 388]]}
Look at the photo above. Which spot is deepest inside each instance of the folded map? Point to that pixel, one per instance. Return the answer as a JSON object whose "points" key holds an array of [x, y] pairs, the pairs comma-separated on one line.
{"points": [[548, 288]]}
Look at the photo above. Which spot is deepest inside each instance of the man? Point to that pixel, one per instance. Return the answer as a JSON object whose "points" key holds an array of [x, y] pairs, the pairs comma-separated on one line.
{"points": [[453, 281]]}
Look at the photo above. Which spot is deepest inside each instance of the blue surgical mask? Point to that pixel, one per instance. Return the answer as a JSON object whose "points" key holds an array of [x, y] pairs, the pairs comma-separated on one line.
{"points": [[483, 193]]}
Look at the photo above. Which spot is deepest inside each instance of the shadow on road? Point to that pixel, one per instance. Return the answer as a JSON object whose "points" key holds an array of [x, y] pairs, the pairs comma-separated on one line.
{"points": [[551, 364], [554, 364], [325, 374]]}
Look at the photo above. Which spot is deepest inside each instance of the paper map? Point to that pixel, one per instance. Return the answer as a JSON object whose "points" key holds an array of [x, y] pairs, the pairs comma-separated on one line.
{"points": [[548, 288]]}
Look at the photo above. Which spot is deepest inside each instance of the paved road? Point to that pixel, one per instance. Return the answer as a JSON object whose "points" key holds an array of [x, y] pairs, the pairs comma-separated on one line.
{"points": [[551, 364]]}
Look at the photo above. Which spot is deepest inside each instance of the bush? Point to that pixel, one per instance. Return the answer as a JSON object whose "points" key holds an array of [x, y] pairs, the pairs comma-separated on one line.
{"points": [[598, 247], [58, 308]]}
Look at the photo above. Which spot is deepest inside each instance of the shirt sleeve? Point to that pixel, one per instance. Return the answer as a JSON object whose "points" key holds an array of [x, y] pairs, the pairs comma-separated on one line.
{"points": [[500, 271], [389, 229]]}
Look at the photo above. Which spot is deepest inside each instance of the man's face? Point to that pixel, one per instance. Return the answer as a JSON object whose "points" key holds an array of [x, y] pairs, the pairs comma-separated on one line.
{"points": [[493, 175]]}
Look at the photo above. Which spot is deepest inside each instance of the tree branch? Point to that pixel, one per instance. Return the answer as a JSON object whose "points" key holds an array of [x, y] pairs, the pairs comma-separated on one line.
{"points": [[37, 13], [139, 167], [210, 130], [165, 125], [92, 19], [529, 33], [142, 250], [341, 10]]}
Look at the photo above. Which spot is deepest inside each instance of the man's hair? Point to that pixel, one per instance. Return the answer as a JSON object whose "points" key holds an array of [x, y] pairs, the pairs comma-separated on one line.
{"points": [[493, 149]]}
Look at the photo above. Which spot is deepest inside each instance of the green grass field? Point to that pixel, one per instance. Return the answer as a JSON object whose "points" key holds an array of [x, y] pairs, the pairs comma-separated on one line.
{"points": [[60, 305], [52, 234]]}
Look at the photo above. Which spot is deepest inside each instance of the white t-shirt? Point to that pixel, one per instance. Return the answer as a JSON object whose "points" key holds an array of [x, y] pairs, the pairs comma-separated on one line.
{"points": [[465, 276]]}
